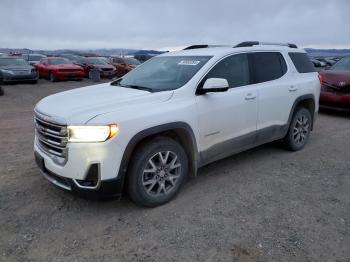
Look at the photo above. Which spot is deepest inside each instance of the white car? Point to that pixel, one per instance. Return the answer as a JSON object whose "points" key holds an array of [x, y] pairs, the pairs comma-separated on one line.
{"points": [[147, 132]]}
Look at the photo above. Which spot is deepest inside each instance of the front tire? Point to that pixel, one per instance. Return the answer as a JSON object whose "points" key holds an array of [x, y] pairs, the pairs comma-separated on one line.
{"points": [[299, 130], [158, 169]]}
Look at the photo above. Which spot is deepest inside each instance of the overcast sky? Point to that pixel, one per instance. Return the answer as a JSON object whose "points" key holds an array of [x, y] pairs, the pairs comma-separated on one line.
{"points": [[167, 24]]}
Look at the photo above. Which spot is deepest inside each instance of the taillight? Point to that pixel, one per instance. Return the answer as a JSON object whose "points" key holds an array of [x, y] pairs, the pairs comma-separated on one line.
{"points": [[321, 78]]}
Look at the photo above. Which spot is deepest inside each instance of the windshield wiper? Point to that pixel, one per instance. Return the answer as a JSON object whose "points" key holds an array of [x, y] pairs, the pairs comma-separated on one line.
{"points": [[144, 88]]}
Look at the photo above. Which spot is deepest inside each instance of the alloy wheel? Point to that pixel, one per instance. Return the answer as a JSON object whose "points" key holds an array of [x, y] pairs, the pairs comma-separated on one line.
{"points": [[301, 129], [161, 173]]}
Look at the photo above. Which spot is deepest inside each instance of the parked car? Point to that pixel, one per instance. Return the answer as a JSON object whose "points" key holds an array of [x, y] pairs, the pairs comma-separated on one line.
{"points": [[144, 57], [33, 59], [335, 90], [317, 63], [14, 69], [106, 70], [326, 61], [151, 129], [58, 68], [124, 64]]}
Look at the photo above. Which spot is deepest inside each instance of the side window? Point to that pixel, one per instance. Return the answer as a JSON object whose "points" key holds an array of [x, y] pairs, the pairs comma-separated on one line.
{"points": [[235, 69], [302, 62], [267, 66]]}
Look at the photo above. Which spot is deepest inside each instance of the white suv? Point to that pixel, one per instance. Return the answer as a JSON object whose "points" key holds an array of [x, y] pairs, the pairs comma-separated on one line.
{"points": [[146, 132]]}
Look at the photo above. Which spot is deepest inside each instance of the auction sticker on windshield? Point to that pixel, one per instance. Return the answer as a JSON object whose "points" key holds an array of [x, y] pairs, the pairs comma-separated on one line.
{"points": [[189, 62]]}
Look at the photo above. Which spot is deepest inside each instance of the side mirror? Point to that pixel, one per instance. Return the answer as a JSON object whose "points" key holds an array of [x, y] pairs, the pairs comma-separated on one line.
{"points": [[214, 85]]}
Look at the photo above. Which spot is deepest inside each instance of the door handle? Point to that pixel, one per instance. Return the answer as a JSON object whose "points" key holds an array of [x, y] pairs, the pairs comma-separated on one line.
{"points": [[250, 96], [292, 89]]}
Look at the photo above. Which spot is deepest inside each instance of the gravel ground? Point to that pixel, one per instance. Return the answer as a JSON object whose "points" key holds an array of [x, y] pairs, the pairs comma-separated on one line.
{"points": [[266, 204]]}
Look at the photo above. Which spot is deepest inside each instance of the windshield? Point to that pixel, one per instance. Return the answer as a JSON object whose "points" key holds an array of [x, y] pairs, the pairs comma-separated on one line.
{"points": [[59, 61], [96, 61], [342, 65], [13, 62], [163, 73], [75, 58], [132, 61]]}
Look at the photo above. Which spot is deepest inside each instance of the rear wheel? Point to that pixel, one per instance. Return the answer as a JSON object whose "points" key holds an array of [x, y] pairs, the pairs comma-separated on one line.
{"points": [[157, 170], [299, 130], [1, 91]]}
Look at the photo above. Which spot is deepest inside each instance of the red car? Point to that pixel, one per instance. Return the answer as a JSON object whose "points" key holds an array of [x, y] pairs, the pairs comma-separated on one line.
{"points": [[335, 89], [58, 68], [106, 70]]}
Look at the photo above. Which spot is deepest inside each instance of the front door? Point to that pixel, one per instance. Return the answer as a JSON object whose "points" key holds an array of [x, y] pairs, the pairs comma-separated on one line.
{"points": [[228, 120]]}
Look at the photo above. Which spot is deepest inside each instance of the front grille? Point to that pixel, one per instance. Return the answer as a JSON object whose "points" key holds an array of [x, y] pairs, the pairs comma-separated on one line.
{"points": [[69, 70], [107, 69], [52, 138]]}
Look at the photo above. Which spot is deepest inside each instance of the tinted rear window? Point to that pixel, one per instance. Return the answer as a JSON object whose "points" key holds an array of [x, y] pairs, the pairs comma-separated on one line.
{"points": [[267, 66], [302, 62]]}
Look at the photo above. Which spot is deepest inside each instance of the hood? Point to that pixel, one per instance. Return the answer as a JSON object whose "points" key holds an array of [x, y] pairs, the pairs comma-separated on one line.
{"points": [[79, 105], [338, 79], [16, 68], [71, 66]]}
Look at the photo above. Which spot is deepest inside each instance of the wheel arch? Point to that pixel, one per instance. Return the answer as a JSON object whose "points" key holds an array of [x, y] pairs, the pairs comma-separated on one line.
{"points": [[306, 101], [179, 131]]}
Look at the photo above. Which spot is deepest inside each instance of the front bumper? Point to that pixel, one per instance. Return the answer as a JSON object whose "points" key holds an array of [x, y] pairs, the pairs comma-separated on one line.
{"points": [[337, 102], [111, 188], [70, 75], [107, 74], [75, 172], [14, 77]]}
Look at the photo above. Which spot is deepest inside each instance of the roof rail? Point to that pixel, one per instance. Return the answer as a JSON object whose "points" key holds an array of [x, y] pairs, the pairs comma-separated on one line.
{"points": [[202, 46], [252, 43], [196, 46]]}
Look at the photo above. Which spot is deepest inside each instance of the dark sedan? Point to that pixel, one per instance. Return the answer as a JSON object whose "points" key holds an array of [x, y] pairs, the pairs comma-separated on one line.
{"points": [[106, 70], [16, 69]]}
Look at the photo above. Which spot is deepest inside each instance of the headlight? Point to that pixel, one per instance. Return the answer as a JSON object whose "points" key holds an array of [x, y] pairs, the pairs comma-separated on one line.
{"points": [[7, 71], [91, 133]]}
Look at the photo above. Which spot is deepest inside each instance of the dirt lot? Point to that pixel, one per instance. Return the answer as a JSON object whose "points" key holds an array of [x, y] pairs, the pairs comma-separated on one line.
{"points": [[266, 204]]}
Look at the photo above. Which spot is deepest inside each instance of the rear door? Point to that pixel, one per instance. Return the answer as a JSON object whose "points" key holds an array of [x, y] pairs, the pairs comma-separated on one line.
{"points": [[227, 120], [277, 93]]}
